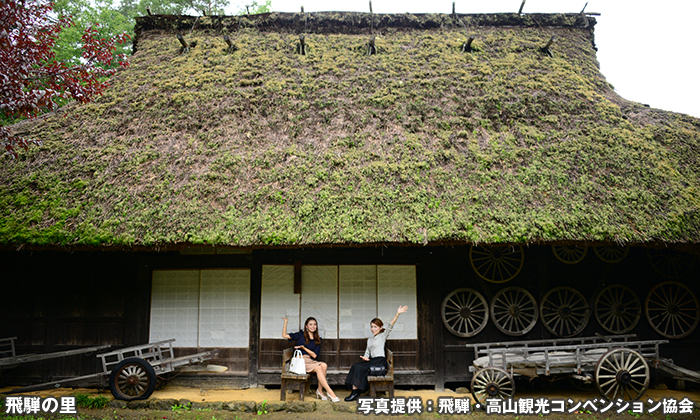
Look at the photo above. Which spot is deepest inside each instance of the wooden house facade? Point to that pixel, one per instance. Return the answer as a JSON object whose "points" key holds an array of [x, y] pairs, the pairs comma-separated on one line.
{"points": [[87, 298], [456, 167]]}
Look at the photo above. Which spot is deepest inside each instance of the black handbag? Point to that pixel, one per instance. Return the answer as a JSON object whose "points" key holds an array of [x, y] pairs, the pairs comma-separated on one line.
{"points": [[377, 371]]}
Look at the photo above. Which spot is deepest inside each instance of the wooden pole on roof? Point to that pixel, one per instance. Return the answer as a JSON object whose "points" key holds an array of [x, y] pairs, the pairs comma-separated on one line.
{"points": [[520, 11], [467, 46], [183, 42], [371, 48], [453, 9], [302, 9], [231, 46], [584, 7], [302, 44], [370, 6], [545, 49]]}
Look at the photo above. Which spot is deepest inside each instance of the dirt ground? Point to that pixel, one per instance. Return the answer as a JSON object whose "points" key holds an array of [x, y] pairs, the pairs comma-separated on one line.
{"points": [[344, 411]]}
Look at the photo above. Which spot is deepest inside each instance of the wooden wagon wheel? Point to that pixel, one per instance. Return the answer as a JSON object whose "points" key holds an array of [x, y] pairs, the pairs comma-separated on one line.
{"points": [[492, 382], [611, 254], [669, 263], [465, 312], [514, 311], [497, 263], [564, 311], [132, 379], [569, 254], [617, 309], [672, 309], [622, 373]]}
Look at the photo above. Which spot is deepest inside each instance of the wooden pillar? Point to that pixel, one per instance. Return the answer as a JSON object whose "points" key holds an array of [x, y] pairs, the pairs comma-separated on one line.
{"points": [[254, 332]]}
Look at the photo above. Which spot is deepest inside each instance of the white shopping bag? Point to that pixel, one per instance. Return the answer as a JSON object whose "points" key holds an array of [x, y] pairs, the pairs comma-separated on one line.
{"points": [[297, 365]]}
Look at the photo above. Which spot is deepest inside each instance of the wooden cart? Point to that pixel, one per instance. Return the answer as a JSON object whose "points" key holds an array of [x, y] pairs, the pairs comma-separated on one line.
{"points": [[9, 359], [131, 373], [618, 365]]}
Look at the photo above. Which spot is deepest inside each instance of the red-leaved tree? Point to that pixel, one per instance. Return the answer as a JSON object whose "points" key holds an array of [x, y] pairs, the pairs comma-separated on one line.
{"points": [[31, 80]]}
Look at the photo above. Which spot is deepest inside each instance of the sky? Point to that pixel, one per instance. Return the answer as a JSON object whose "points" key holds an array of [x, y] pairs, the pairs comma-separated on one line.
{"points": [[645, 48]]}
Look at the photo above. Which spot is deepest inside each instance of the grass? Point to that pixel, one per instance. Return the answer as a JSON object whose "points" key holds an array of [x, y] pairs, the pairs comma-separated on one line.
{"points": [[89, 401]]}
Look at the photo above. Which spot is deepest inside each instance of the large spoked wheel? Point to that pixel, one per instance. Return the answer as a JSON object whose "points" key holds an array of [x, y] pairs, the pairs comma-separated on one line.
{"points": [[564, 311], [132, 379], [611, 254], [672, 309], [514, 311], [617, 309], [569, 254], [497, 263], [669, 263], [622, 373], [492, 382], [465, 312]]}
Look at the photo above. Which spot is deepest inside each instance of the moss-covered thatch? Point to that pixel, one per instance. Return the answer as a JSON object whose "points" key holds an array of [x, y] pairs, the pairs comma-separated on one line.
{"points": [[421, 143]]}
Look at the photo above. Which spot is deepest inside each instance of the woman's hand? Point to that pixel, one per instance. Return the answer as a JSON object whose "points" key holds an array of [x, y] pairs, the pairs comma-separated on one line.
{"points": [[284, 329], [309, 352], [399, 311], [364, 358]]}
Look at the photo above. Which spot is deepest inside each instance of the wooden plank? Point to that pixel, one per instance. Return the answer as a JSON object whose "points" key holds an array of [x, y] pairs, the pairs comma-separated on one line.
{"points": [[430, 355], [254, 322], [297, 277], [55, 384], [47, 356], [678, 372]]}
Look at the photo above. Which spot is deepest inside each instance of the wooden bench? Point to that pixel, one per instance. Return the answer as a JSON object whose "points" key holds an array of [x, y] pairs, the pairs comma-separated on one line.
{"points": [[383, 383], [292, 379]]}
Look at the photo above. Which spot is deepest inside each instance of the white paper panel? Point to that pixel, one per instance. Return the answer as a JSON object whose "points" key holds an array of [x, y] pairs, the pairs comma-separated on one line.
{"points": [[224, 308], [396, 286], [175, 306], [319, 298], [278, 301], [358, 300]]}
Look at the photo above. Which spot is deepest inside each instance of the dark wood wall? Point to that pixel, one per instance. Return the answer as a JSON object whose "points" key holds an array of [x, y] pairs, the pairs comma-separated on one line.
{"points": [[541, 272], [54, 301]]}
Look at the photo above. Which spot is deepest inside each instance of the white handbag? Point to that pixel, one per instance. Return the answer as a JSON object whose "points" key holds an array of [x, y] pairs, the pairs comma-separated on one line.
{"points": [[297, 365]]}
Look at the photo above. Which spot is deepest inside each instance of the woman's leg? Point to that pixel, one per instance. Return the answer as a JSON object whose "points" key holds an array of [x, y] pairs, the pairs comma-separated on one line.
{"points": [[322, 382]]}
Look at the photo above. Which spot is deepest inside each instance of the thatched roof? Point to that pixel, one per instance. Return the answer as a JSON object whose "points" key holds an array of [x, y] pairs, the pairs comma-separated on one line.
{"points": [[421, 143]]}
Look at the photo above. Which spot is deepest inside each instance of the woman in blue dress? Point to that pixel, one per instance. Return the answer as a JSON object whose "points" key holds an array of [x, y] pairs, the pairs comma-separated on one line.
{"points": [[374, 355], [309, 342]]}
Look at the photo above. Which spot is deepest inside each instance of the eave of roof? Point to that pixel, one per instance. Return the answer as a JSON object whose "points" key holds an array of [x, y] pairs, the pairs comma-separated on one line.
{"points": [[420, 144]]}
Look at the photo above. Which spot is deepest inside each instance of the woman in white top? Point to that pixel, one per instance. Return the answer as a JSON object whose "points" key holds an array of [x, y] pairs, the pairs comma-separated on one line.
{"points": [[374, 355]]}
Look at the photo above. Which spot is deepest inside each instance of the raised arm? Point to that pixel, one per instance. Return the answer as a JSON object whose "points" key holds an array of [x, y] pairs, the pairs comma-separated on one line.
{"points": [[284, 329], [399, 311]]}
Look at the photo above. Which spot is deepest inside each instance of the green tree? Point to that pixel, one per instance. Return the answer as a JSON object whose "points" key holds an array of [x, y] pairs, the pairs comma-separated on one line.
{"points": [[253, 7], [133, 8], [103, 15], [33, 81]]}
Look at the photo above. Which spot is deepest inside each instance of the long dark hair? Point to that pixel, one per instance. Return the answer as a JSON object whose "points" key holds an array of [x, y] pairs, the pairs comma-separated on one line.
{"points": [[378, 322], [317, 338]]}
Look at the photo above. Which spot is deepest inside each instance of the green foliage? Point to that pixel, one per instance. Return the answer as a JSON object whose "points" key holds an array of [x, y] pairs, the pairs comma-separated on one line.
{"points": [[133, 8], [253, 7], [89, 401], [102, 14], [263, 408], [179, 408]]}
